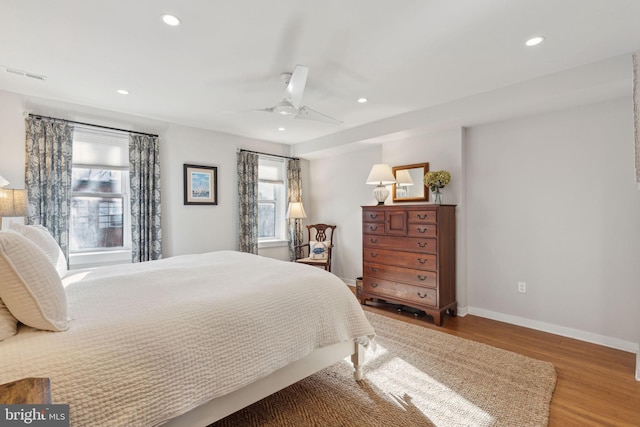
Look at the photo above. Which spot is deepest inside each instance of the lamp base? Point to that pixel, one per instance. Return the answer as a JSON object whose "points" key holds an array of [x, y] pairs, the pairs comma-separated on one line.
{"points": [[381, 193]]}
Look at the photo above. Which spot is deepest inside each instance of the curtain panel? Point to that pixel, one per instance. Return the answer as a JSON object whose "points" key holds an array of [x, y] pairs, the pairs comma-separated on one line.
{"points": [[49, 148], [294, 194], [248, 201], [144, 175]]}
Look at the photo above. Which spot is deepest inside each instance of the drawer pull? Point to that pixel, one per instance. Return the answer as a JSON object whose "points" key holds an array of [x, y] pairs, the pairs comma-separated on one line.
{"points": [[421, 295], [422, 230], [373, 269], [373, 227], [374, 254], [373, 216], [420, 277], [374, 285], [422, 216], [373, 240], [422, 244], [421, 261]]}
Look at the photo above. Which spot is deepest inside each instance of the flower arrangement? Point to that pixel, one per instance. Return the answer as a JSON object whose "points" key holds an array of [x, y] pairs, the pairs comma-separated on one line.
{"points": [[436, 180]]}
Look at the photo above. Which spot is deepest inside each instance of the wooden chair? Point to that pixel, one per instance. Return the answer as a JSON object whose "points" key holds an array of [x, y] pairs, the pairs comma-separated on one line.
{"points": [[322, 234]]}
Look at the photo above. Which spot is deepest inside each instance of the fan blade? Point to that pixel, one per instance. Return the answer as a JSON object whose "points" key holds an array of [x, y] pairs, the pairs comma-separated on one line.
{"points": [[265, 110], [307, 113], [295, 88]]}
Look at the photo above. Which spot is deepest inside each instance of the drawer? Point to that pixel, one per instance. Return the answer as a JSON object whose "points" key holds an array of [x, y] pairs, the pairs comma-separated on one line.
{"points": [[421, 217], [422, 230], [419, 244], [414, 260], [373, 228], [371, 216], [401, 274], [400, 291]]}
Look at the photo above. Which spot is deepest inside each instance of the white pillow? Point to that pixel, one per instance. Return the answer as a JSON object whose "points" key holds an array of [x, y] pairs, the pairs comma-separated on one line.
{"points": [[45, 241], [8, 323], [318, 250], [29, 284]]}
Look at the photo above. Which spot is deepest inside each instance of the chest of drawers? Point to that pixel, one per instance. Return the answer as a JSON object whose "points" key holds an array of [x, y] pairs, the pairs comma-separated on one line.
{"points": [[409, 257]]}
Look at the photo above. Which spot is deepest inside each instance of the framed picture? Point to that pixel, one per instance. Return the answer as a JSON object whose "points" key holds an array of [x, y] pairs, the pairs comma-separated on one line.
{"points": [[200, 185]]}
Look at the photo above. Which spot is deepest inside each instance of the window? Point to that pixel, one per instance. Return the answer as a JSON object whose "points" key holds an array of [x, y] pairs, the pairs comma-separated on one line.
{"points": [[97, 209], [100, 212], [272, 199]]}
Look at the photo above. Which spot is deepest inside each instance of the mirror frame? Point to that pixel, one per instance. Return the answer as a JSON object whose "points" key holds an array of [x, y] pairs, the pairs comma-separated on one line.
{"points": [[425, 169]]}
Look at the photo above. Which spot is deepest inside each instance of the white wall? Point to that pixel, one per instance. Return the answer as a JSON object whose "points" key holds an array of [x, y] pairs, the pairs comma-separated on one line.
{"points": [[549, 200], [443, 151], [552, 202], [12, 139], [336, 192], [186, 229]]}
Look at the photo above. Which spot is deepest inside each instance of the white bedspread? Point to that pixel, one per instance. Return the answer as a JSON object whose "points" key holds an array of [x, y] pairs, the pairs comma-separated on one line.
{"points": [[153, 340]]}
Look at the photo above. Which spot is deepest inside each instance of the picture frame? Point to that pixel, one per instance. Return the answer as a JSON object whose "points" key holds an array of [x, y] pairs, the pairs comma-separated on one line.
{"points": [[200, 185]]}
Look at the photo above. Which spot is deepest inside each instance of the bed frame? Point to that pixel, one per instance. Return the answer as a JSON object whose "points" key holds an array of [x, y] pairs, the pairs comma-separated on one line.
{"points": [[319, 359]]}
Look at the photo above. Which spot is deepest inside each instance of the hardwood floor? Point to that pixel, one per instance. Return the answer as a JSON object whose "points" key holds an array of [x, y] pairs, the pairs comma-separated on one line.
{"points": [[596, 385]]}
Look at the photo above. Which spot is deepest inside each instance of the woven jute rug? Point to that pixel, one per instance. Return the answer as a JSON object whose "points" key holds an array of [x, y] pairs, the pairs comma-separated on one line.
{"points": [[415, 377]]}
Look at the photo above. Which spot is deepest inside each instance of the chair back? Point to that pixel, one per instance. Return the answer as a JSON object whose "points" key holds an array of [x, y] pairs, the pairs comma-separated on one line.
{"points": [[321, 233]]}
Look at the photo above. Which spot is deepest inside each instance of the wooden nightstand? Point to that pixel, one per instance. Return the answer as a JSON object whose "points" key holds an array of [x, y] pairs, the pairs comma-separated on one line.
{"points": [[35, 391]]}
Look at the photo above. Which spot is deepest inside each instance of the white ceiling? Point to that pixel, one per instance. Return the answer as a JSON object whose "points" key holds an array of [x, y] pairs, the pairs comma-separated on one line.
{"points": [[413, 59]]}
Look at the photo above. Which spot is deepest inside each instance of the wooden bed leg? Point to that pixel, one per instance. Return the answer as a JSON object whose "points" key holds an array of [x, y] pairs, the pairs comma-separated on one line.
{"points": [[357, 358]]}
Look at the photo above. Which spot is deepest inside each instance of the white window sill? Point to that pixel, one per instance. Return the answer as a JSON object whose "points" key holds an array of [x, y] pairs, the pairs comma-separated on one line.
{"points": [[272, 243], [98, 259]]}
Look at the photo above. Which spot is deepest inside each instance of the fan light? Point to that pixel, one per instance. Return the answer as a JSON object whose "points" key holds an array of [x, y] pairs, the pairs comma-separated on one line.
{"points": [[285, 108]]}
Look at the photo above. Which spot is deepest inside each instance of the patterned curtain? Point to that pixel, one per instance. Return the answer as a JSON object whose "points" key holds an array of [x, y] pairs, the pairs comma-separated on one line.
{"points": [[248, 201], [636, 111], [49, 147], [144, 174], [294, 194]]}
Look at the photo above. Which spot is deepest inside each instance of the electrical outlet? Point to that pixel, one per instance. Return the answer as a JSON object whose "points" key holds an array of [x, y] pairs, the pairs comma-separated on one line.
{"points": [[522, 287]]}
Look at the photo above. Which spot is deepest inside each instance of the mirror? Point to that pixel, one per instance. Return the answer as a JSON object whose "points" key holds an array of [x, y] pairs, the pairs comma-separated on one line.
{"points": [[409, 185]]}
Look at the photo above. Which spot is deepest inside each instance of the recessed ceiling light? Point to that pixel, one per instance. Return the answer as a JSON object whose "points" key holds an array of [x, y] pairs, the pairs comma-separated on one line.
{"points": [[123, 92], [171, 20], [534, 41], [362, 100], [281, 129]]}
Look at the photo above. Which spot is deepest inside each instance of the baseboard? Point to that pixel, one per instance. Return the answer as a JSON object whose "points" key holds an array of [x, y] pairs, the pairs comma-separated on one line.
{"points": [[577, 334]]}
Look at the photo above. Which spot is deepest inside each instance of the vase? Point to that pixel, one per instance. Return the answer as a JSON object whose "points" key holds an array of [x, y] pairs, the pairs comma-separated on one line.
{"points": [[436, 193]]}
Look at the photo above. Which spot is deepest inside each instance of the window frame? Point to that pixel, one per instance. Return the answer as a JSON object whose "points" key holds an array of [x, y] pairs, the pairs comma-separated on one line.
{"points": [[98, 148], [281, 201]]}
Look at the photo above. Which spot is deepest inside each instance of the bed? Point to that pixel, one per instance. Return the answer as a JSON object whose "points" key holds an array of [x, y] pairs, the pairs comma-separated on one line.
{"points": [[186, 340]]}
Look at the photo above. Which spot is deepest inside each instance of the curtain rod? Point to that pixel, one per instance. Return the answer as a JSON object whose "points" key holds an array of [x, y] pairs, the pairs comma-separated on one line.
{"points": [[268, 154], [37, 116]]}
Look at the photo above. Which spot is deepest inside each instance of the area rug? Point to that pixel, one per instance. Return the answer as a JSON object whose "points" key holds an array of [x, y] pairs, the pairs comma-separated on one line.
{"points": [[415, 377]]}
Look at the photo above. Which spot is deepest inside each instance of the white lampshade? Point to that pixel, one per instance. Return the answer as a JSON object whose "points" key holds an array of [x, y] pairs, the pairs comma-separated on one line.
{"points": [[3, 182], [296, 210], [403, 177], [381, 174], [13, 203]]}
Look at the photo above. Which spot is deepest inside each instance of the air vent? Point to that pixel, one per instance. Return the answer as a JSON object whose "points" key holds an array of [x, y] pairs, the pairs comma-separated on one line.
{"points": [[24, 74]]}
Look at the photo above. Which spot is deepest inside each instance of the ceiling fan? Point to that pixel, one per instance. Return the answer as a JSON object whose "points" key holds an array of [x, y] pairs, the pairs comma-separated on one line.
{"points": [[290, 103]]}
